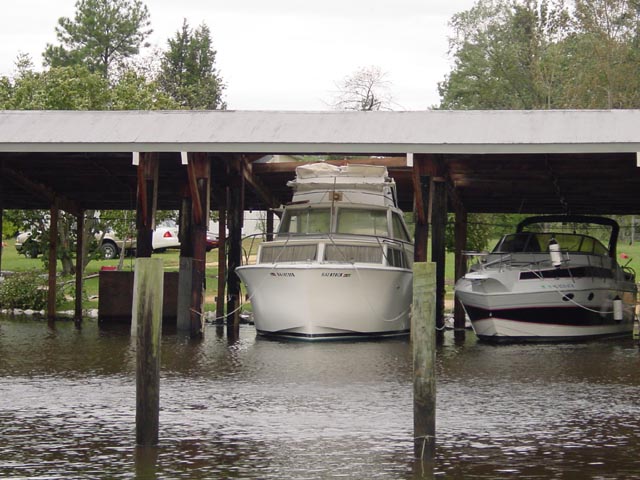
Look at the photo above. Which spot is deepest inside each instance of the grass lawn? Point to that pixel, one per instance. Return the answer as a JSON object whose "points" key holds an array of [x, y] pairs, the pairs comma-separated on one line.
{"points": [[11, 261]]}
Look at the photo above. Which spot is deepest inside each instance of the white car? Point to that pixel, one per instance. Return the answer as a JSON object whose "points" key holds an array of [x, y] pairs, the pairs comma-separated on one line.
{"points": [[164, 236], [110, 245]]}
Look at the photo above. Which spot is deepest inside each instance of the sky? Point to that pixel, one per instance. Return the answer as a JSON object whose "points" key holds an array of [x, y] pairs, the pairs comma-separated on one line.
{"points": [[281, 54]]}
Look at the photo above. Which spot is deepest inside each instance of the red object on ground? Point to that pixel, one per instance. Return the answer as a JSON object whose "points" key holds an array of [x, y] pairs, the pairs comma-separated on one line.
{"points": [[107, 268]]}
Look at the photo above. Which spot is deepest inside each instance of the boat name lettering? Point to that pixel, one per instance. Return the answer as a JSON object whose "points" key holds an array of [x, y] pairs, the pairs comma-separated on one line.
{"points": [[283, 274], [560, 285], [336, 274]]}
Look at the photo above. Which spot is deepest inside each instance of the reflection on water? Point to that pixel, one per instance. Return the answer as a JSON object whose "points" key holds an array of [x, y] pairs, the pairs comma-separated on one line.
{"points": [[266, 409]]}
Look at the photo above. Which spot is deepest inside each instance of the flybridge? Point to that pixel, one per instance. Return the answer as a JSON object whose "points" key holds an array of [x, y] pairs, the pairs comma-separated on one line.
{"points": [[323, 182]]}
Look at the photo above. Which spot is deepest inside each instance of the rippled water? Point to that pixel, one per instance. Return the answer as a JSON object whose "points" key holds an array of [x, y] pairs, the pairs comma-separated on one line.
{"points": [[264, 409]]}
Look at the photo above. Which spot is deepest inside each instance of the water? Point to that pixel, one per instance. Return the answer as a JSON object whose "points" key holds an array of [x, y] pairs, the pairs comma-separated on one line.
{"points": [[265, 409]]}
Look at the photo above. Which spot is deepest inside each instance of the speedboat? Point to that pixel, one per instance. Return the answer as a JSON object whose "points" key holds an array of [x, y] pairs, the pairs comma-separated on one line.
{"points": [[340, 265], [543, 284]]}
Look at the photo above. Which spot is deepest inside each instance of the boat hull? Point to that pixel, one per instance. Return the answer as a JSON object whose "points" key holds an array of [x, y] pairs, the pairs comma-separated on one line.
{"points": [[322, 301], [541, 312]]}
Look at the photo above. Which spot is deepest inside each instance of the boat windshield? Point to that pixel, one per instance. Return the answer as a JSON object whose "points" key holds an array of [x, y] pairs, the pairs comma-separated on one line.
{"points": [[359, 221], [306, 220], [539, 242]]}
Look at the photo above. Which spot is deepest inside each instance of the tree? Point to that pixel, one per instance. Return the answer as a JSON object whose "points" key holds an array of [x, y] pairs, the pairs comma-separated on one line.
{"points": [[101, 33], [536, 54], [72, 87], [506, 56], [366, 89], [188, 73]]}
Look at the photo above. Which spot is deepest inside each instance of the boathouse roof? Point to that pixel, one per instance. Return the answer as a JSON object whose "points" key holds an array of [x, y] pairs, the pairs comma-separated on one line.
{"points": [[493, 161]]}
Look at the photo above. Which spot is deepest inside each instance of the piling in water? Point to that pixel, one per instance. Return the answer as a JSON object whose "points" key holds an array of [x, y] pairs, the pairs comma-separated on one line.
{"points": [[424, 356], [147, 319]]}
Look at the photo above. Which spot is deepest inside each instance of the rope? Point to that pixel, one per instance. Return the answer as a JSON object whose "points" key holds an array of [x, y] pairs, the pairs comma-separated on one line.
{"points": [[564, 296]]}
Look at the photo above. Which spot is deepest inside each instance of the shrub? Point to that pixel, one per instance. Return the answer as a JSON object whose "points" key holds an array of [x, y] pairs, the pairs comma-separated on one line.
{"points": [[26, 290]]}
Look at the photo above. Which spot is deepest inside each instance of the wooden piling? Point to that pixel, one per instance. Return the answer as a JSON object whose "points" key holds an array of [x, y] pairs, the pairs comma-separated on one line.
{"points": [[424, 359], [1, 233], [438, 244], [79, 266], [147, 315], [460, 266], [222, 260], [53, 263], [235, 205]]}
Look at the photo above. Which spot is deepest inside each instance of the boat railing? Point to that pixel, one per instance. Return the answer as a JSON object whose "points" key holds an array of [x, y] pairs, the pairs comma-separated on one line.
{"points": [[339, 248]]}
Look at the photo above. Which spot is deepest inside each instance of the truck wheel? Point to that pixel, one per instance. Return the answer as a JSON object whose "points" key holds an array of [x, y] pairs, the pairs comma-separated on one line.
{"points": [[109, 250]]}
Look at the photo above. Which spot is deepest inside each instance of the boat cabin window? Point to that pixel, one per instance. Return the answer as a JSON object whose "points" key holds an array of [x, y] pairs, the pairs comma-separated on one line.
{"points": [[358, 221], [539, 242], [305, 221], [399, 230], [518, 242]]}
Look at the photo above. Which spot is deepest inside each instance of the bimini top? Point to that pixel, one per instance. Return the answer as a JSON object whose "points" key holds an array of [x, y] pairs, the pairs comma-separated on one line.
{"points": [[584, 219], [322, 182]]}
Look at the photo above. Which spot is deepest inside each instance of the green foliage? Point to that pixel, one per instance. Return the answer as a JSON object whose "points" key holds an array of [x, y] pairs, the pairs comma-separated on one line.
{"points": [[101, 33], [62, 88], [188, 73], [9, 229], [134, 92], [26, 290], [540, 54]]}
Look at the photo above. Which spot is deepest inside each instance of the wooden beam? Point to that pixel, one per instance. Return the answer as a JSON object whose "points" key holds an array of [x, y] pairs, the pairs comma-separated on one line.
{"points": [[1, 219], [146, 203], [222, 260], [79, 266], [421, 192], [286, 167], [147, 319], [269, 231], [236, 212], [1, 233], [42, 191], [53, 262], [200, 184], [460, 262], [256, 184]]}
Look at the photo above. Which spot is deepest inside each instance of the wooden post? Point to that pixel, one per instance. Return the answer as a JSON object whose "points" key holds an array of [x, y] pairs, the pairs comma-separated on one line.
{"points": [[438, 246], [269, 231], [424, 360], [185, 273], [460, 265], [147, 315], [146, 203], [53, 263], [421, 202], [1, 234], [222, 260], [1, 219], [199, 172], [236, 212], [79, 265]]}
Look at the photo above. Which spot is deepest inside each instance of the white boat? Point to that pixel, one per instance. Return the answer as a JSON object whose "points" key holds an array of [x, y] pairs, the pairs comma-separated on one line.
{"points": [[545, 285], [341, 263]]}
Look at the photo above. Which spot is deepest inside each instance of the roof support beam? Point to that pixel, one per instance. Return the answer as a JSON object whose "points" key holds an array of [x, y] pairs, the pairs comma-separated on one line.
{"points": [[146, 203], [42, 191], [246, 167]]}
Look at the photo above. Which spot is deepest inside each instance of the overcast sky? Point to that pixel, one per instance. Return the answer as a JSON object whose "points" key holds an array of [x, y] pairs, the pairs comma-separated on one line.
{"points": [[281, 54]]}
